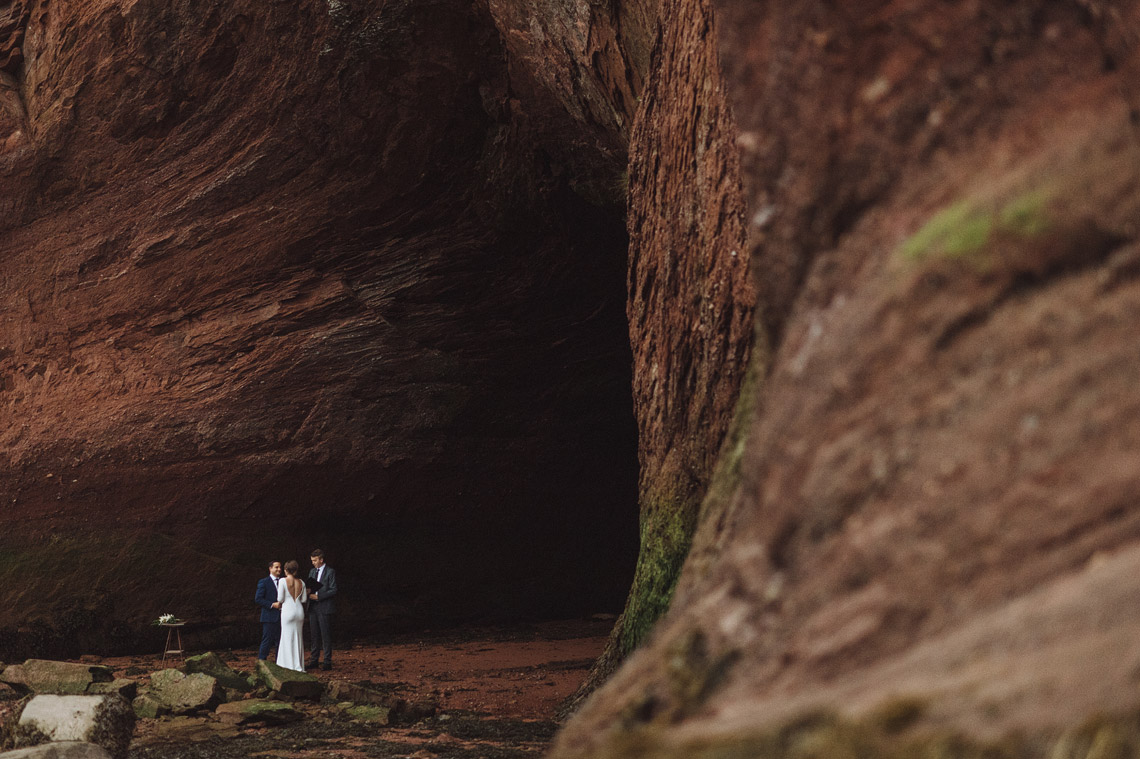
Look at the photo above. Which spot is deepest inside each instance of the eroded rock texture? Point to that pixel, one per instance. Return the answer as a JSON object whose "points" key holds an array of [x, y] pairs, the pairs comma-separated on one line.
{"points": [[690, 304], [284, 274], [936, 503]]}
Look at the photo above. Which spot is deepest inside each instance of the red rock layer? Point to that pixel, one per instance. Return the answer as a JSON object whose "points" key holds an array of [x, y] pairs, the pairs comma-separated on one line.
{"points": [[937, 496], [275, 275], [13, 20], [691, 298], [690, 304]]}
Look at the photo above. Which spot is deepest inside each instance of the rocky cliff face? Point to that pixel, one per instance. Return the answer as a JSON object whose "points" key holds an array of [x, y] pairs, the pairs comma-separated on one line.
{"points": [[929, 542], [355, 273], [277, 275]]}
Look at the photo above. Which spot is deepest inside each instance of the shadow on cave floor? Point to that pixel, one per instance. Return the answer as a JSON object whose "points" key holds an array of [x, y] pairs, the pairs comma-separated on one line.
{"points": [[495, 689]]}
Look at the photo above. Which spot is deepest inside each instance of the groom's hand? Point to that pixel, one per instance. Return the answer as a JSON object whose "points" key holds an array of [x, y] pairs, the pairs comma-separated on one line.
{"points": [[312, 596]]}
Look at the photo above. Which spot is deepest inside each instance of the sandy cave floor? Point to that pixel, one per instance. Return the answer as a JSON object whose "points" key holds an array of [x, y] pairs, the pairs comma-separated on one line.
{"points": [[497, 691]]}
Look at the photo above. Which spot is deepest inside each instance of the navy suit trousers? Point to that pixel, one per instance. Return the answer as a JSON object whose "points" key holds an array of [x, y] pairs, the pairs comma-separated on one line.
{"points": [[270, 637]]}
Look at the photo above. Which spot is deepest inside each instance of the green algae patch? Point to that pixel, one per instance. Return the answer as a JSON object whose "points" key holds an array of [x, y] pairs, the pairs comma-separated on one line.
{"points": [[965, 230], [672, 512], [269, 711], [258, 711], [367, 713], [1025, 216], [666, 535], [956, 232]]}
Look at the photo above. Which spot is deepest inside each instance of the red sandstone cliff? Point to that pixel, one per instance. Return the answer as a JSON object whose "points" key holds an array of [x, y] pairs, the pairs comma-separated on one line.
{"points": [[282, 274], [690, 304], [355, 272], [933, 523]]}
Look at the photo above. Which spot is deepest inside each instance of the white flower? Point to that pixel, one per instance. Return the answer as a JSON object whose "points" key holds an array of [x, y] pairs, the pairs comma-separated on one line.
{"points": [[166, 618]]}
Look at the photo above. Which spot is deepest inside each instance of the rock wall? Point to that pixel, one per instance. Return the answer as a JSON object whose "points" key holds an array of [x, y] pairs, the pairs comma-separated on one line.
{"points": [[690, 306], [932, 533], [277, 275], [691, 297]]}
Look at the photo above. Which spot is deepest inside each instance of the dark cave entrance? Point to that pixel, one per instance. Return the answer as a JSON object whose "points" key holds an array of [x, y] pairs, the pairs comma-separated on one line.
{"points": [[527, 507]]}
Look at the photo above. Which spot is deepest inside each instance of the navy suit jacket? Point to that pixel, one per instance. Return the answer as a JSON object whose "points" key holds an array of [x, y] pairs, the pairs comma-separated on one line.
{"points": [[326, 593], [265, 598]]}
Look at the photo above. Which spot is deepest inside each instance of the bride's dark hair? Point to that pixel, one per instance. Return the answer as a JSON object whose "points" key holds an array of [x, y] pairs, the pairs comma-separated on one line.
{"points": [[291, 567]]}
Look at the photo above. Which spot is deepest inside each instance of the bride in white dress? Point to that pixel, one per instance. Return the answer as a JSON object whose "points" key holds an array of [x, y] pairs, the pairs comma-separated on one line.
{"points": [[291, 599]]}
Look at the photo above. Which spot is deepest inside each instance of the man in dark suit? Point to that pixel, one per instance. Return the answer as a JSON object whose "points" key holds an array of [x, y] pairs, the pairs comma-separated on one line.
{"points": [[322, 606], [266, 598]]}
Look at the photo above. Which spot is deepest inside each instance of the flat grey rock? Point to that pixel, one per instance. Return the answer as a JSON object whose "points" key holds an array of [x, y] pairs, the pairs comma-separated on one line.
{"points": [[182, 693], [55, 677], [289, 683], [107, 721]]}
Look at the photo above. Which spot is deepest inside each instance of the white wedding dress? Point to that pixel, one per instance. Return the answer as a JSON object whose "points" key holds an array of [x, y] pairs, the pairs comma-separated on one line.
{"points": [[291, 648]]}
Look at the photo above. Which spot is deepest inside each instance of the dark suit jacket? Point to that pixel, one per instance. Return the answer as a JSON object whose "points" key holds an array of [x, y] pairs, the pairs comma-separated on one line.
{"points": [[326, 593], [265, 598]]}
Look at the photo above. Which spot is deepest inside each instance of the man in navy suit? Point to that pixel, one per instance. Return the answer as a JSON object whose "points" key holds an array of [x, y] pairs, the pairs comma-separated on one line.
{"points": [[266, 598], [322, 606]]}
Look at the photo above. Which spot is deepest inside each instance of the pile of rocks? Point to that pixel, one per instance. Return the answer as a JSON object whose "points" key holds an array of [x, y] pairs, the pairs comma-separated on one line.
{"points": [[80, 711]]}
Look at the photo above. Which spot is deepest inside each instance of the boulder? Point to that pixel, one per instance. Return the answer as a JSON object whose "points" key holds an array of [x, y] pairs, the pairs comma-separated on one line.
{"points": [[182, 693], [148, 707], [258, 711], [397, 710], [55, 677], [125, 688], [107, 721], [211, 664], [59, 750], [289, 683]]}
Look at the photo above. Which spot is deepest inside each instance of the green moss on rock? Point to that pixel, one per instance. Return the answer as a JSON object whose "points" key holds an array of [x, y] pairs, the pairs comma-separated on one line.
{"points": [[258, 711], [288, 682], [183, 693], [966, 228], [366, 713], [211, 664], [672, 510], [666, 534], [146, 707]]}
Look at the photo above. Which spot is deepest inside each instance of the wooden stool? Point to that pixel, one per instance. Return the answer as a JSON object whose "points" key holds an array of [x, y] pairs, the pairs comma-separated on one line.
{"points": [[173, 633]]}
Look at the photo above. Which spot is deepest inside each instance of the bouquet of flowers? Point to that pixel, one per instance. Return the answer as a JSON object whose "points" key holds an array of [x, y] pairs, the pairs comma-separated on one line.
{"points": [[166, 619]]}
